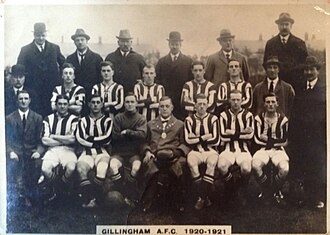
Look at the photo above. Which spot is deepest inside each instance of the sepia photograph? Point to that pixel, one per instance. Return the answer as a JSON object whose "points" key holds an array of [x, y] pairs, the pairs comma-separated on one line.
{"points": [[185, 117]]}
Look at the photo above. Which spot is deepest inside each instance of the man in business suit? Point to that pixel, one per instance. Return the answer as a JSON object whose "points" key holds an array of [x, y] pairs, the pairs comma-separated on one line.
{"points": [[86, 63], [309, 134], [290, 50], [273, 84], [17, 81], [42, 60], [217, 63], [128, 63], [23, 148], [173, 71]]}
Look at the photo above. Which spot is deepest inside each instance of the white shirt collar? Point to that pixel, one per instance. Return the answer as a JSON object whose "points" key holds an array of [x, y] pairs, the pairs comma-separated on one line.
{"points": [[82, 53], [312, 83], [165, 119], [286, 38], [39, 46], [21, 113], [230, 53], [17, 89], [275, 81], [177, 55], [123, 53]]}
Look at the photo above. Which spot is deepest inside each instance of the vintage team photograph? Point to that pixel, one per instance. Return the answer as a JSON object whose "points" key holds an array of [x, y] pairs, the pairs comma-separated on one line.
{"points": [[191, 113]]}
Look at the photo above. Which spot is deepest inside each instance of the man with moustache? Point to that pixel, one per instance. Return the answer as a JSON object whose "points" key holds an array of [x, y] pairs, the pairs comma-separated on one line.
{"points": [[85, 61], [173, 71], [42, 61], [128, 63], [309, 134], [217, 63], [165, 149], [17, 83], [290, 50]]}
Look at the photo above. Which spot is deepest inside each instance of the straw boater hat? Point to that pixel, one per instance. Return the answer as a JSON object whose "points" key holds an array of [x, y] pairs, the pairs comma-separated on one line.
{"points": [[225, 33], [39, 28], [124, 34], [174, 36], [284, 17], [80, 33]]}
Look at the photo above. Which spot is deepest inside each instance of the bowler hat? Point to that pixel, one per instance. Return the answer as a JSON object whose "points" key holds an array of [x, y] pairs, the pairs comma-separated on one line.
{"points": [[312, 61], [174, 36], [271, 60], [80, 33], [225, 33], [284, 16], [39, 27], [18, 70], [124, 34]]}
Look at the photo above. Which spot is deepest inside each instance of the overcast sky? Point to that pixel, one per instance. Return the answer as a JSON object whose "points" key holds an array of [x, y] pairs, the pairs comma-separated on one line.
{"points": [[199, 24]]}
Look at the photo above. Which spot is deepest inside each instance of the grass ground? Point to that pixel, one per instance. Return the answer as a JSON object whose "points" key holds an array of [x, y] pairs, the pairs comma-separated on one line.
{"points": [[68, 217]]}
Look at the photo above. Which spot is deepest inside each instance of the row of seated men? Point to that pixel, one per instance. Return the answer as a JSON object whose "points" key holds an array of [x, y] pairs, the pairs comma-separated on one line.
{"points": [[203, 130]]}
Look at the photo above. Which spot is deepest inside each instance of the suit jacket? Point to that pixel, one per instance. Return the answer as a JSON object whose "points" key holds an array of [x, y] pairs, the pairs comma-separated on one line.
{"points": [[174, 135], [128, 70], [283, 90], [309, 115], [42, 67], [24, 142], [173, 75], [11, 100], [88, 73], [216, 67], [292, 55]]}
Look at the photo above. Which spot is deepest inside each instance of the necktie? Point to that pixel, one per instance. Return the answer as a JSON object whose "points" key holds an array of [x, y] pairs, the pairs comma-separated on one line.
{"points": [[24, 121], [175, 58], [228, 57], [41, 49], [271, 87], [283, 41], [309, 86], [81, 58]]}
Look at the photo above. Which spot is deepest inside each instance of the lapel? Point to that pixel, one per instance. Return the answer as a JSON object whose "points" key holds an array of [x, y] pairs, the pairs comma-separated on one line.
{"points": [[35, 49], [29, 120], [278, 86], [168, 60], [221, 57], [17, 120], [88, 57], [47, 49]]}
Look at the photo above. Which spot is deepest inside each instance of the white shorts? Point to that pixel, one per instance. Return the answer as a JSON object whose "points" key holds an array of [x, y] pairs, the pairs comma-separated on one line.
{"points": [[275, 155], [237, 157], [202, 157], [94, 159], [60, 155]]}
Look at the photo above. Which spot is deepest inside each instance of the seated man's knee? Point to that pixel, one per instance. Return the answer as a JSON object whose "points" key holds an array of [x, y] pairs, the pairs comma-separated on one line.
{"points": [[257, 164], [136, 165], [114, 165], [47, 168], [223, 165], [283, 167], [245, 167], [70, 167], [83, 168], [101, 169]]}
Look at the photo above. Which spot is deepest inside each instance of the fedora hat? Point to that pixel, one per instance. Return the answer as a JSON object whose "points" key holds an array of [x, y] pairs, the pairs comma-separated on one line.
{"points": [[312, 61], [80, 33], [284, 16], [124, 34], [39, 28], [225, 33], [272, 60], [18, 70], [174, 36]]}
